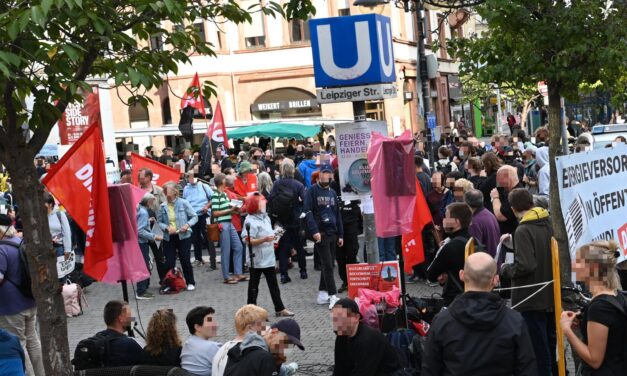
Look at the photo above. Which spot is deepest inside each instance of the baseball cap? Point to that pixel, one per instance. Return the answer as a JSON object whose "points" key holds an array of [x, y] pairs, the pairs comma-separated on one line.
{"points": [[291, 329], [348, 304], [245, 167], [5, 220], [326, 168]]}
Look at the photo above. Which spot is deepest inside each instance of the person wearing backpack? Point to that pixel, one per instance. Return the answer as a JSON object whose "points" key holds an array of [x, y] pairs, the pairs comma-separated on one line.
{"points": [[285, 205], [603, 322], [18, 312], [59, 228], [110, 347]]}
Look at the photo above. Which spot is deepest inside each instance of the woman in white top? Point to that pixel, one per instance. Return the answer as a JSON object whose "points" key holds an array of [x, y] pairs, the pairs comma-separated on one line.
{"points": [[258, 233]]}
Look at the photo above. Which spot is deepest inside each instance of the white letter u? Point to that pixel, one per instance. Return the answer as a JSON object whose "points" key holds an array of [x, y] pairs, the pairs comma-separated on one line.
{"points": [[387, 68], [364, 56]]}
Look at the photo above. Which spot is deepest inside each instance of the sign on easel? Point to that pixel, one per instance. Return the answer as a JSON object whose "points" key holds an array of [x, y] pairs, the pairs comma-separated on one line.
{"points": [[379, 277]]}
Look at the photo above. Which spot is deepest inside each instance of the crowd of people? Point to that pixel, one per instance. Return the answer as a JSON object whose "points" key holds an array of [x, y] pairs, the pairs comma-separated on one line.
{"points": [[264, 209]]}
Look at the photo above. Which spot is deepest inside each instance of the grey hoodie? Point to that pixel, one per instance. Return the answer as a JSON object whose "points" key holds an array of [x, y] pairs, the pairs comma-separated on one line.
{"points": [[251, 357]]}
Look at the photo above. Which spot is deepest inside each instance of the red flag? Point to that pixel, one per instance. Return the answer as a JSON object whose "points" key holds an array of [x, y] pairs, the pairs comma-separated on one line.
{"points": [[413, 250], [79, 182], [161, 173], [193, 96], [217, 130]]}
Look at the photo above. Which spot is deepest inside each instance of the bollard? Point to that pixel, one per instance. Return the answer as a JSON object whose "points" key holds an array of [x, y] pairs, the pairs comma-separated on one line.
{"points": [[557, 299]]}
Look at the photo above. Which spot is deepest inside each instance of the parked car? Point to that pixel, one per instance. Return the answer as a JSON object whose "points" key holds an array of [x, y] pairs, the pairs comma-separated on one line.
{"points": [[605, 134]]}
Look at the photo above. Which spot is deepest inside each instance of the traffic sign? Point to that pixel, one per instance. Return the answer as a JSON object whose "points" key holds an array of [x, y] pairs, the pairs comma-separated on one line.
{"points": [[351, 51], [431, 122], [357, 93]]}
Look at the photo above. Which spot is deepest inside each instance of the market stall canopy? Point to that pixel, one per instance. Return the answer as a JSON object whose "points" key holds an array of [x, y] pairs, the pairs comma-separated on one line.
{"points": [[281, 130]]}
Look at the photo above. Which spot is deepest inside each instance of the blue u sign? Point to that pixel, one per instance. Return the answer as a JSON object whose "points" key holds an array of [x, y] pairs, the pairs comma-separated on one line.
{"points": [[350, 51]]}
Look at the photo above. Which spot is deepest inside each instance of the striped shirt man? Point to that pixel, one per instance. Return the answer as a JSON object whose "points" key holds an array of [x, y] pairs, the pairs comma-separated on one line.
{"points": [[220, 202]]}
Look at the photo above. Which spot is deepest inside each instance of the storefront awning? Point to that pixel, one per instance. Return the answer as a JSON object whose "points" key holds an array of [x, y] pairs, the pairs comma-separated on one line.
{"points": [[282, 130]]}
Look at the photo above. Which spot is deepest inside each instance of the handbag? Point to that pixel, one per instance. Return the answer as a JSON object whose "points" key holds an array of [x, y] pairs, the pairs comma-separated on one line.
{"points": [[213, 232]]}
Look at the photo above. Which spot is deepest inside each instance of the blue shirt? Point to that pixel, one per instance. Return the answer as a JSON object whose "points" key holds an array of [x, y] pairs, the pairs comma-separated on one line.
{"points": [[13, 302], [197, 355], [198, 195]]}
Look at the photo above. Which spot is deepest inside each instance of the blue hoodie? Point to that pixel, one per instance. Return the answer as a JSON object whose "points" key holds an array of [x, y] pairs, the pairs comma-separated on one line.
{"points": [[306, 168], [11, 354]]}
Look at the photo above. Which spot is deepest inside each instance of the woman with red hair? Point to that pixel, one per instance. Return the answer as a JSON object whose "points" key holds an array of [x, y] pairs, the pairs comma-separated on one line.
{"points": [[259, 235]]}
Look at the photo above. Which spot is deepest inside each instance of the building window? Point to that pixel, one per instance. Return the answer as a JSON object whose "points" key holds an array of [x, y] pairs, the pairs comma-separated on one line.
{"points": [[218, 43], [299, 31], [375, 110], [254, 33], [166, 113], [199, 27], [156, 42], [344, 12]]}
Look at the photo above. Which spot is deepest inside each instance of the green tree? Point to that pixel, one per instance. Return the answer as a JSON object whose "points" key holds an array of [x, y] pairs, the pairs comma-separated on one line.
{"points": [[562, 42], [48, 49]]}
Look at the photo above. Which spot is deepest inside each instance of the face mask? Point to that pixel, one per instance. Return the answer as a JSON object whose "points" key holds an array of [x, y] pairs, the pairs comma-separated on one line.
{"points": [[449, 230], [461, 154], [323, 184]]}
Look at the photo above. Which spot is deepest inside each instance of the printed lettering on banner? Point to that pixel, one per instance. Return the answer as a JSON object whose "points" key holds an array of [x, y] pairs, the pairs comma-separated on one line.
{"points": [[382, 277], [594, 197], [353, 140]]}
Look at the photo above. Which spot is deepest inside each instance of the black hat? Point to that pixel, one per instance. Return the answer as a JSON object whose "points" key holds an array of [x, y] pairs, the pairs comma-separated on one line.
{"points": [[291, 328], [5, 220], [349, 304]]}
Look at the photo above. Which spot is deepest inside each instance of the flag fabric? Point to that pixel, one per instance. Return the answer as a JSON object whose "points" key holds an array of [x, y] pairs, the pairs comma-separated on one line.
{"points": [[216, 132], [413, 249], [185, 124], [79, 182], [193, 96], [161, 173]]}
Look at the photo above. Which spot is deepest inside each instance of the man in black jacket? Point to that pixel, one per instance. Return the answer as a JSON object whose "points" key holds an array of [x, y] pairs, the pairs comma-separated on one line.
{"points": [[449, 259], [324, 224], [262, 355], [360, 349], [478, 334]]}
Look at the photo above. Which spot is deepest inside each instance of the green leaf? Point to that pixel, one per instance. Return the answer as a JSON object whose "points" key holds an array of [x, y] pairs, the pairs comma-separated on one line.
{"points": [[5, 70], [38, 15], [10, 58], [71, 52], [45, 6], [134, 76]]}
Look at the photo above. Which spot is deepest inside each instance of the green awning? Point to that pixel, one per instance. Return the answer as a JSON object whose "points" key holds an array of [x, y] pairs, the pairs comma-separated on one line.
{"points": [[282, 130]]}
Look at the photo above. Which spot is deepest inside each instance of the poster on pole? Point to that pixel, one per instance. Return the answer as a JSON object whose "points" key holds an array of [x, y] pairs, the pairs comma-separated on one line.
{"points": [[353, 140], [593, 196], [379, 277], [79, 116]]}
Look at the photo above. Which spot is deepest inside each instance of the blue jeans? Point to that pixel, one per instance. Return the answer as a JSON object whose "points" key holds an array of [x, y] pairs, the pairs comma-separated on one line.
{"points": [[541, 327], [230, 242], [184, 247], [142, 286], [387, 248]]}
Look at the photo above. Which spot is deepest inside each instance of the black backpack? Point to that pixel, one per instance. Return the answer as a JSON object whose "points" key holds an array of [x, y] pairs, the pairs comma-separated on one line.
{"points": [[93, 352], [25, 286], [282, 204], [444, 168]]}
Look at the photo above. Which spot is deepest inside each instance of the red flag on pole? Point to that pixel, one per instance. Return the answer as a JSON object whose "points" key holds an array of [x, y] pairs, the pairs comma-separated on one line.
{"points": [[79, 182], [413, 249], [193, 96], [161, 173], [216, 132]]}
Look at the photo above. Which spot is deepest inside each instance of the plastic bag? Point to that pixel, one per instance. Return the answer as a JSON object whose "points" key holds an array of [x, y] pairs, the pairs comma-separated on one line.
{"points": [[393, 183]]}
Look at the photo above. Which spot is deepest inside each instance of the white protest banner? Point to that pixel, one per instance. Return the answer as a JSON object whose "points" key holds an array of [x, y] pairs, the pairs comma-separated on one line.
{"points": [[353, 140], [65, 267], [593, 195]]}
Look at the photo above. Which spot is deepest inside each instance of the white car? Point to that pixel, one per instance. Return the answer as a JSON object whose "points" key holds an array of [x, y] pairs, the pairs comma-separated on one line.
{"points": [[605, 134]]}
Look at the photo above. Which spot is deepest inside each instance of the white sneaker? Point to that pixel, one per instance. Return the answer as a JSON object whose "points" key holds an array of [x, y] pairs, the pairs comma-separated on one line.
{"points": [[323, 298], [332, 300], [191, 287]]}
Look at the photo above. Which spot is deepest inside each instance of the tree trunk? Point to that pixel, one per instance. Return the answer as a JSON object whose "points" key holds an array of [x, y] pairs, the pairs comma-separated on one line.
{"points": [[555, 137], [42, 260]]}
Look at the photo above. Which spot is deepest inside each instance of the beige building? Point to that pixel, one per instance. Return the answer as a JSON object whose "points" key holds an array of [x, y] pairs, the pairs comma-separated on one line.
{"points": [[264, 71]]}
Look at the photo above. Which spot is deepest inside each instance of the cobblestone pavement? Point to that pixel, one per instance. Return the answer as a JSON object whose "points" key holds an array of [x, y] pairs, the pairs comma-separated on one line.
{"points": [[299, 296]]}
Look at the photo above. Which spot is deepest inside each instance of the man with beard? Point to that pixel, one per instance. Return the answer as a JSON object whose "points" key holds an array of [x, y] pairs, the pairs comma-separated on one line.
{"points": [[449, 259]]}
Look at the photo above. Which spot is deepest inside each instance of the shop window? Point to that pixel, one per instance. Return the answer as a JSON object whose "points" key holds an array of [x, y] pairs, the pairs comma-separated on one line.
{"points": [[254, 33], [299, 31], [375, 110]]}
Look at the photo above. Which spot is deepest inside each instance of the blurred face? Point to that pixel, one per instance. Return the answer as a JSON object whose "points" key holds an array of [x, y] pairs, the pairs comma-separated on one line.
{"points": [[436, 180], [458, 193], [191, 179], [504, 179], [209, 328], [268, 154], [144, 180], [325, 177], [450, 183], [450, 224], [125, 318], [170, 194], [124, 179], [343, 321], [277, 341]]}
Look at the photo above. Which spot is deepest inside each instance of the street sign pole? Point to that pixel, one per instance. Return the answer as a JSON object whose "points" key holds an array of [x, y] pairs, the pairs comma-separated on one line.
{"points": [[424, 83]]}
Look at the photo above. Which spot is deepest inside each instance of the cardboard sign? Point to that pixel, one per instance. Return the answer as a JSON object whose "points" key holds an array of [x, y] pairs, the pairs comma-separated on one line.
{"points": [[379, 277]]}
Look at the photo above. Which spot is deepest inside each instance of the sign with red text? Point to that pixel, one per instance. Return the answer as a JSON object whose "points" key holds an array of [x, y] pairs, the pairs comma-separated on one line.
{"points": [[379, 277]]}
